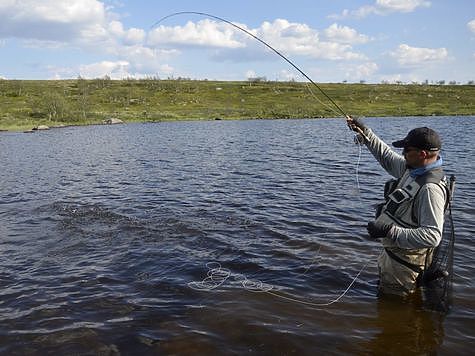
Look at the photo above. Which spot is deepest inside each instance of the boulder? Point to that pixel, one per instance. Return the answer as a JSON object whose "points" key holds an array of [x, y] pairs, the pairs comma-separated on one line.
{"points": [[112, 121], [41, 127]]}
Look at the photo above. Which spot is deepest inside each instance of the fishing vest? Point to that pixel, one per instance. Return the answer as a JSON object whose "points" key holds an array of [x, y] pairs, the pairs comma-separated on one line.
{"points": [[398, 209]]}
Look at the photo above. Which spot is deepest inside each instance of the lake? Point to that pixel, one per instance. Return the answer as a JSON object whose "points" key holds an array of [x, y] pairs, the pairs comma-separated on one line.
{"points": [[215, 237]]}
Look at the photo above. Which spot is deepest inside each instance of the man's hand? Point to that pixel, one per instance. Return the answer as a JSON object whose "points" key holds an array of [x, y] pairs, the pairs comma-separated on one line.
{"points": [[355, 125], [377, 230]]}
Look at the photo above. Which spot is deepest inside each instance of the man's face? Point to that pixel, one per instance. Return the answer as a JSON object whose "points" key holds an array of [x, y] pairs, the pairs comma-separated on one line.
{"points": [[413, 156]]}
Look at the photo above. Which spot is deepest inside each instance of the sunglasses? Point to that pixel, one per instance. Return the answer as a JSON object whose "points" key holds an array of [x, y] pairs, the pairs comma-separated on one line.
{"points": [[410, 149]]}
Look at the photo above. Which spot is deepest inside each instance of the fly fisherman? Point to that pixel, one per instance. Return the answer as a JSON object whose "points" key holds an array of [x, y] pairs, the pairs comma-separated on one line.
{"points": [[409, 223]]}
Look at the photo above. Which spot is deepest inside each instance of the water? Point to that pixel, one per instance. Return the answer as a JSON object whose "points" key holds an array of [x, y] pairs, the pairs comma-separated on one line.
{"points": [[108, 234]]}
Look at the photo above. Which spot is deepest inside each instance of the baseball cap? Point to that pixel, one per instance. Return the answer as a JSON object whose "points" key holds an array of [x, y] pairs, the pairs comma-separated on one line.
{"points": [[423, 138]]}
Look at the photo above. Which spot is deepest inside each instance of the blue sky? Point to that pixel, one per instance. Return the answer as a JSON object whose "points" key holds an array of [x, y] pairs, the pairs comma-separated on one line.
{"points": [[331, 41]]}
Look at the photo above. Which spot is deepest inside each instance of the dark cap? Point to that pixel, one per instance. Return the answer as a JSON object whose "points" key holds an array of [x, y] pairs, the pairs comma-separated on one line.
{"points": [[423, 138]]}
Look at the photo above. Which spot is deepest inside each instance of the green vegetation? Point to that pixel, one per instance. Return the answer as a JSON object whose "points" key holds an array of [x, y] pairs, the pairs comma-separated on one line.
{"points": [[25, 104]]}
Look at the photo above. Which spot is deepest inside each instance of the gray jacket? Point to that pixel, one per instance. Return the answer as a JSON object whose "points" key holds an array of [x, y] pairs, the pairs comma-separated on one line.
{"points": [[428, 205]]}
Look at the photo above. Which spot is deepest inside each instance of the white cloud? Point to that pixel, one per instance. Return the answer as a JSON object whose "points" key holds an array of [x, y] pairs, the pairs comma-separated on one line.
{"points": [[205, 33], [83, 24], [250, 74], [392, 78], [122, 69], [400, 5], [471, 26], [364, 71], [91, 26], [344, 34], [286, 37], [132, 36], [144, 59], [116, 70], [383, 7], [408, 56], [300, 39], [86, 24], [51, 20]]}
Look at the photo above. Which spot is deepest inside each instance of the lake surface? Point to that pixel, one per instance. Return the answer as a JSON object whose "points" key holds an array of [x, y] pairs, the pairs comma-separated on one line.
{"points": [[217, 237]]}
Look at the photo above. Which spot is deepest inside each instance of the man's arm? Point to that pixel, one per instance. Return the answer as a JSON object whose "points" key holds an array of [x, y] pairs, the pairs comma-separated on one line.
{"points": [[392, 162]]}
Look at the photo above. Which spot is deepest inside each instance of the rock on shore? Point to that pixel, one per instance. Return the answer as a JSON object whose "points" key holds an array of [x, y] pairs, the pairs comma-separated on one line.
{"points": [[112, 121], [40, 128]]}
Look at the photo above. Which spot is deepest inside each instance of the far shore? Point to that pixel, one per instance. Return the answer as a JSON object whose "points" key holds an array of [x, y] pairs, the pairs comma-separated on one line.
{"points": [[29, 129], [29, 104]]}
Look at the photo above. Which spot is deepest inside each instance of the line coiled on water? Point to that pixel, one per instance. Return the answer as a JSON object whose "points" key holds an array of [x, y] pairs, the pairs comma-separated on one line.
{"points": [[217, 276]]}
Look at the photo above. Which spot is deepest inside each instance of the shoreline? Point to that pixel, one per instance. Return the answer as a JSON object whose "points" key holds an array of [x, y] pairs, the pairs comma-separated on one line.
{"points": [[38, 128], [27, 104]]}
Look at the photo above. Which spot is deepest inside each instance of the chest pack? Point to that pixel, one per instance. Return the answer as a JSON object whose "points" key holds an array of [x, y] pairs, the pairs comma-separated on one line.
{"points": [[396, 196]]}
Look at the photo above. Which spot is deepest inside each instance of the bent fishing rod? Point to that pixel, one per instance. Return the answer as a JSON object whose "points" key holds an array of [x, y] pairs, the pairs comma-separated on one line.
{"points": [[261, 41]]}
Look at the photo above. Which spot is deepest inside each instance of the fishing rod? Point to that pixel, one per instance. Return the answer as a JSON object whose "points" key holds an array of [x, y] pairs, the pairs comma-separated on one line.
{"points": [[261, 41], [217, 276]]}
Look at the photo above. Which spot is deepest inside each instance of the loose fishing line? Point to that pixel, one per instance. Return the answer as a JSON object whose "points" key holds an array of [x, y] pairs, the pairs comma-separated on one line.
{"points": [[217, 275], [360, 151]]}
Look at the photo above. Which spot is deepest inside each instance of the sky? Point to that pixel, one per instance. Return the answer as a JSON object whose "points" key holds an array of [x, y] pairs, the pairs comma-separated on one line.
{"points": [[370, 41]]}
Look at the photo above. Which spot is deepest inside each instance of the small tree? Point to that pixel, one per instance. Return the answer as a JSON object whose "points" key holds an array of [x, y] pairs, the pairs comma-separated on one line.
{"points": [[54, 106], [83, 100]]}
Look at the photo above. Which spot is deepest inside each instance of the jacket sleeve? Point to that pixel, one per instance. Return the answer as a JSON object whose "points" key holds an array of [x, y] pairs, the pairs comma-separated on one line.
{"points": [[393, 163], [429, 210]]}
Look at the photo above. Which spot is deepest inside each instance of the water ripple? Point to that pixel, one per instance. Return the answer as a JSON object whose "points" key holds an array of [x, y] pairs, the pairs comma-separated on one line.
{"points": [[211, 238]]}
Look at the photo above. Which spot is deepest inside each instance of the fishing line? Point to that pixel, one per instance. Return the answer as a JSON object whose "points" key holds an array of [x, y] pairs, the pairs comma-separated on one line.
{"points": [[313, 261], [328, 303], [329, 107], [217, 276], [360, 150], [340, 110], [355, 136]]}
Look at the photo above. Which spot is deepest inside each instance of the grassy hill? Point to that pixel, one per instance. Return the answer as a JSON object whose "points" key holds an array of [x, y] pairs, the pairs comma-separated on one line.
{"points": [[25, 104]]}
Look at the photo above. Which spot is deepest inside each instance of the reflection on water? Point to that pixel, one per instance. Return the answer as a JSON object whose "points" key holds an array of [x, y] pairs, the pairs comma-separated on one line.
{"points": [[405, 328], [212, 238]]}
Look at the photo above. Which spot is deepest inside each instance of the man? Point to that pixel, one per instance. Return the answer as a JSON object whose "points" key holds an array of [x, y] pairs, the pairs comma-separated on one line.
{"points": [[410, 222]]}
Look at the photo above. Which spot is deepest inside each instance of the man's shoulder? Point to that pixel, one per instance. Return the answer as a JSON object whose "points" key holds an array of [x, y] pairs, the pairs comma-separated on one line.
{"points": [[434, 190]]}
